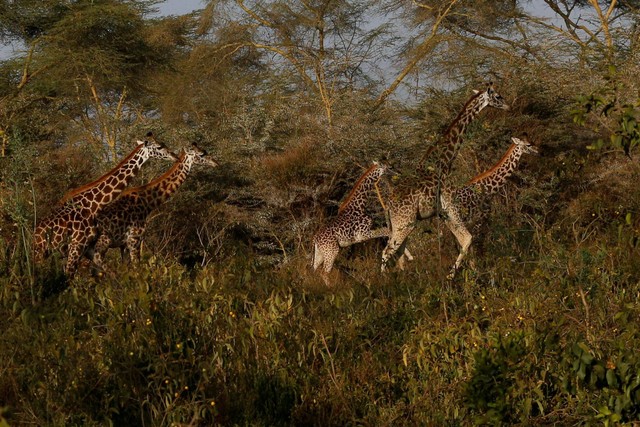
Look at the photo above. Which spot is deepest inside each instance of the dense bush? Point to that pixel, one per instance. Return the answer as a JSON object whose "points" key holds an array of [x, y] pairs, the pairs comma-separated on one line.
{"points": [[234, 343], [224, 323]]}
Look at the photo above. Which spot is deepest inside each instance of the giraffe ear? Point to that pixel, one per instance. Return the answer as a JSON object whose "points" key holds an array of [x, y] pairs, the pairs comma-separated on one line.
{"points": [[139, 142], [475, 91]]}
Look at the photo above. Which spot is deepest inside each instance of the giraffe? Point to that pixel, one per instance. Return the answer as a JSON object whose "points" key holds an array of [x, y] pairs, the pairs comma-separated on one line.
{"points": [[418, 197], [122, 223], [352, 225], [71, 224], [465, 202]]}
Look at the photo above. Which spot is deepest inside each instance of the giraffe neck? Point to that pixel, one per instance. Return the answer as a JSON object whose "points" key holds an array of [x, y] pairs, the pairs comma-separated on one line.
{"points": [[495, 178], [357, 197], [105, 189], [163, 187], [445, 151]]}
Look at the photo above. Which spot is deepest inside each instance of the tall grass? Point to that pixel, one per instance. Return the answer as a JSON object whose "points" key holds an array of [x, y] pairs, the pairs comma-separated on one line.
{"points": [[529, 339]]}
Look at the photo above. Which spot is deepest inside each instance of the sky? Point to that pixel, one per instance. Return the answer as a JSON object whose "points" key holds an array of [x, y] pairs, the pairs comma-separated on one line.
{"points": [[179, 7]]}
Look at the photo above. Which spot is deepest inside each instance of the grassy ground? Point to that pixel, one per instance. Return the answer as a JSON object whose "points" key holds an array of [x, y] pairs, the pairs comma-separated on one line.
{"points": [[547, 336]]}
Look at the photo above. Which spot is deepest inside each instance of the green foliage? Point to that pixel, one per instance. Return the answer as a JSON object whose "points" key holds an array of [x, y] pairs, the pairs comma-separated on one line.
{"points": [[621, 115], [491, 382], [615, 378], [223, 323]]}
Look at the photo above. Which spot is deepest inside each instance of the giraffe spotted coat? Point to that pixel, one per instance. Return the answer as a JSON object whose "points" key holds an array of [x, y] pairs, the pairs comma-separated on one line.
{"points": [[418, 197], [70, 227], [467, 201], [122, 223], [352, 225]]}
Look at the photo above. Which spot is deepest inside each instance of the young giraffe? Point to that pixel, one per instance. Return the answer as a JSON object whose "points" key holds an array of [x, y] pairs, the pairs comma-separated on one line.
{"points": [[419, 197], [464, 203], [122, 223], [352, 225], [73, 221]]}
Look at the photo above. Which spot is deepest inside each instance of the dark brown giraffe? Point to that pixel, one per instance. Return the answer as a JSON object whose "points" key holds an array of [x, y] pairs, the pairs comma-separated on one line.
{"points": [[122, 223], [71, 226], [418, 197]]}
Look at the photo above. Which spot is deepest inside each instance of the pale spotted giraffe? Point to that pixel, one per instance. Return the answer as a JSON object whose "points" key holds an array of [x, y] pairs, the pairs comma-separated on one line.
{"points": [[352, 225], [417, 197], [70, 227], [122, 223], [463, 204]]}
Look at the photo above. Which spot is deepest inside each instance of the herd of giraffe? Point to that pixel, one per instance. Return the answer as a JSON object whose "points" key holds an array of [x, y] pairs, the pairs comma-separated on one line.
{"points": [[421, 195], [104, 214], [101, 215]]}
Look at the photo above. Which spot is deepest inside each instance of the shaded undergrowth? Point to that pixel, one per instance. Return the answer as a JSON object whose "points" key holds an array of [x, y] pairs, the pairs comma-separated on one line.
{"points": [[546, 337]]}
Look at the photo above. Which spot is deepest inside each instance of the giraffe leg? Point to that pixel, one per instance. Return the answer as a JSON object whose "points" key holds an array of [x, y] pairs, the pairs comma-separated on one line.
{"points": [[404, 257], [331, 251], [47, 238], [376, 234], [100, 249], [396, 241], [462, 235], [384, 232], [318, 256], [39, 244], [134, 240], [76, 250]]}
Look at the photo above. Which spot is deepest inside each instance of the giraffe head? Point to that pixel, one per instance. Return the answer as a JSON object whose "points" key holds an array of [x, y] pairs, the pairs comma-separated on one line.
{"points": [[152, 148], [378, 169], [491, 98], [525, 145], [200, 156]]}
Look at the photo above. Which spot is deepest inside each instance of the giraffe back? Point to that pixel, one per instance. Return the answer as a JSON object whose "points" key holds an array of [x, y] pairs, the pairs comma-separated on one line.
{"points": [[357, 195], [495, 177], [128, 214], [106, 188]]}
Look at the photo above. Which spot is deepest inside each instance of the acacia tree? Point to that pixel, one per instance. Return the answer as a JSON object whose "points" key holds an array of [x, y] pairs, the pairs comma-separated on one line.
{"points": [[326, 44], [586, 27], [90, 59]]}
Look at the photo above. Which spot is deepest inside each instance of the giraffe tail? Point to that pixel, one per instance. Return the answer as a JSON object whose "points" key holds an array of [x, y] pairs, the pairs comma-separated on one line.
{"points": [[317, 256]]}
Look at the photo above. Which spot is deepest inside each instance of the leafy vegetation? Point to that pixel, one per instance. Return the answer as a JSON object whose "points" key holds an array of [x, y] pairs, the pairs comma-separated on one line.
{"points": [[223, 322]]}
